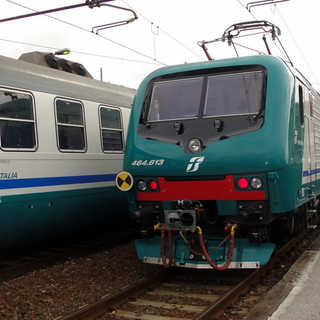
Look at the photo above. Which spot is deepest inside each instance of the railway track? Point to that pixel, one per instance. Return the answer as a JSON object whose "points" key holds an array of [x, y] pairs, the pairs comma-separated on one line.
{"points": [[174, 294], [19, 261], [181, 294]]}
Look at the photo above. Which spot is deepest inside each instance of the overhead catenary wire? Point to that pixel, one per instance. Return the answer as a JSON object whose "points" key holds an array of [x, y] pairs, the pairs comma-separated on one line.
{"points": [[86, 30], [290, 33], [297, 45], [80, 52], [88, 3], [247, 9], [163, 31]]}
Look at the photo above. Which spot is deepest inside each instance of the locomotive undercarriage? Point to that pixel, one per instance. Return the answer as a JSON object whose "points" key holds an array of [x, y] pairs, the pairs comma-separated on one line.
{"points": [[293, 222], [252, 218], [193, 234]]}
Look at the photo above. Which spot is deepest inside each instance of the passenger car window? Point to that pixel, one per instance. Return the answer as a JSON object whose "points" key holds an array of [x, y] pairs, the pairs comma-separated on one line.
{"points": [[111, 129], [17, 123], [70, 125]]}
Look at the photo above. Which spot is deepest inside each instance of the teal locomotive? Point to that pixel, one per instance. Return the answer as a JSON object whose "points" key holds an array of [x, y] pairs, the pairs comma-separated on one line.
{"points": [[222, 161]]}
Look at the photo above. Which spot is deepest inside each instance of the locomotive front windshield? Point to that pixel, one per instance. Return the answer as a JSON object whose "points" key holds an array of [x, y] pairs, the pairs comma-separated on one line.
{"points": [[217, 95]]}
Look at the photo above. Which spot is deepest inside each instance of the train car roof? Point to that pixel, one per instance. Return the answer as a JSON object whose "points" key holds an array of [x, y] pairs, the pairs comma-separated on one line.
{"points": [[25, 75]]}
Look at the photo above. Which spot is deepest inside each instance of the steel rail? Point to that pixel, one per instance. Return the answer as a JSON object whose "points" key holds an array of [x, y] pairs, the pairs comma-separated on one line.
{"points": [[99, 308], [216, 309]]}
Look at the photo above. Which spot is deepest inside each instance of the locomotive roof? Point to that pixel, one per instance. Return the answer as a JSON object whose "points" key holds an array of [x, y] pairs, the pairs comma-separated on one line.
{"points": [[231, 62], [29, 76]]}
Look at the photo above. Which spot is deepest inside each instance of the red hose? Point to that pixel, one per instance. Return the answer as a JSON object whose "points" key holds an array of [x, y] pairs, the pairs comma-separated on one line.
{"points": [[203, 248], [163, 249], [205, 252], [212, 251]]}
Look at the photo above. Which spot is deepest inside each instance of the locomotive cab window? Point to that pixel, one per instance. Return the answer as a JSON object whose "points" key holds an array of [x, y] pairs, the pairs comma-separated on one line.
{"points": [[70, 126], [111, 129], [228, 94], [234, 94], [175, 99], [17, 122], [210, 104]]}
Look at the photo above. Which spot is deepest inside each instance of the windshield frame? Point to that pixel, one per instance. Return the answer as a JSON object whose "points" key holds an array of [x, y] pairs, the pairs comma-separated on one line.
{"points": [[206, 76]]}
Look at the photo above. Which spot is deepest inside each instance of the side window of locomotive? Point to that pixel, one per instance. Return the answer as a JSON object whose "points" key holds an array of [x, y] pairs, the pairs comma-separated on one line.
{"points": [[70, 126], [234, 94], [17, 121], [111, 129]]}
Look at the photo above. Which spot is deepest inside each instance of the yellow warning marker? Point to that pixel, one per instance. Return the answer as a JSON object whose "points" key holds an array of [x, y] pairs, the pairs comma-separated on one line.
{"points": [[124, 181]]}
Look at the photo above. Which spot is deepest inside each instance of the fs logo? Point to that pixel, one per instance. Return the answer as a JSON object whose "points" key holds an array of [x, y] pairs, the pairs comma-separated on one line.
{"points": [[194, 164]]}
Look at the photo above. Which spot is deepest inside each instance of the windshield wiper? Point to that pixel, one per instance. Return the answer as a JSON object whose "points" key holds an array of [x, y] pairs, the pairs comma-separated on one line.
{"points": [[258, 115], [143, 113]]}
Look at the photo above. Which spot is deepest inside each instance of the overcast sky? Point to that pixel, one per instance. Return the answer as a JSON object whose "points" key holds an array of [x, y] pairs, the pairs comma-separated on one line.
{"points": [[165, 33]]}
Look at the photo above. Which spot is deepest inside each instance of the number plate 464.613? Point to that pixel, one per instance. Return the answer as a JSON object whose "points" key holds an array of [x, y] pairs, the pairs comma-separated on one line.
{"points": [[158, 162]]}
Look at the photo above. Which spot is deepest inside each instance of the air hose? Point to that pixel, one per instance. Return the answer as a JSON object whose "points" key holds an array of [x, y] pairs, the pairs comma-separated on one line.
{"points": [[163, 250], [163, 247], [206, 254]]}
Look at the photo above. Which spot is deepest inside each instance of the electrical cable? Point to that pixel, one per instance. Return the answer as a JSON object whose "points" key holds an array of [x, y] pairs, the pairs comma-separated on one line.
{"points": [[79, 52], [83, 29], [247, 10], [296, 44], [165, 32]]}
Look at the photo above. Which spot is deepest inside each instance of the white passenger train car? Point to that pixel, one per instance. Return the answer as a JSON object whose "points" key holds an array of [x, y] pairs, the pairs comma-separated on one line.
{"points": [[62, 139]]}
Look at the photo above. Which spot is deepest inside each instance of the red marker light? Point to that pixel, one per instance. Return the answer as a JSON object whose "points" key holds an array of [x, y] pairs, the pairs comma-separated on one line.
{"points": [[153, 185], [242, 183]]}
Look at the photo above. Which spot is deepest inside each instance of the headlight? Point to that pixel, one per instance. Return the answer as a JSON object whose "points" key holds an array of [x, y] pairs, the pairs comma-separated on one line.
{"points": [[141, 185], [194, 145], [256, 183]]}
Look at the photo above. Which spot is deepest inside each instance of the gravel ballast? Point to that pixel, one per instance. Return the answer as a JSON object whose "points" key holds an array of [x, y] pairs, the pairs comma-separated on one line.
{"points": [[58, 290]]}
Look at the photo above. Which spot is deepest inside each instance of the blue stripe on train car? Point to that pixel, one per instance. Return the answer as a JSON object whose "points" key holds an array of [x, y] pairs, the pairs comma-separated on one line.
{"points": [[54, 181], [311, 172]]}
